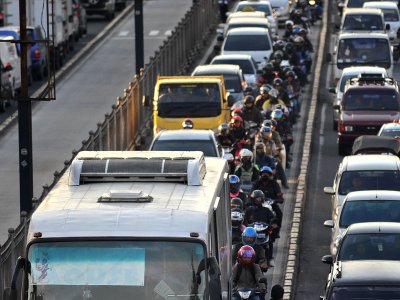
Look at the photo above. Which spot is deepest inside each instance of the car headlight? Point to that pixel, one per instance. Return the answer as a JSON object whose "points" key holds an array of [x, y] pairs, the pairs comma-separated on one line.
{"points": [[348, 128]]}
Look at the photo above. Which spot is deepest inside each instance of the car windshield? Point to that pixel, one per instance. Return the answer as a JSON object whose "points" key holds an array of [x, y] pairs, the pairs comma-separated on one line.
{"points": [[233, 83], [371, 246], [206, 146], [363, 52], [245, 65], [369, 292], [359, 99], [369, 211], [390, 15], [254, 7], [189, 100], [352, 181], [357, 3], [247, 43], [115, 270], [395, 132], [363, 22], [238, 25]]}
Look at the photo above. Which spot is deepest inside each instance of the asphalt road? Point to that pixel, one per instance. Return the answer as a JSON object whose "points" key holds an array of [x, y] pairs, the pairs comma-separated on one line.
{"points": [[312, 273], [83, 97]]}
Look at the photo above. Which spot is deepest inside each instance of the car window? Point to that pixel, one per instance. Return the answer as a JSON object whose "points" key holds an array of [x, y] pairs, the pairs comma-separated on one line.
{"points": [[370, 246], [206, 146], [238, 25], [369, 211], [390, 15], [245, 65], [363, 22], [359, 292], [247, 43], [358, 99], [352, 181], [394, 132], [357, 3], [233, 83]]}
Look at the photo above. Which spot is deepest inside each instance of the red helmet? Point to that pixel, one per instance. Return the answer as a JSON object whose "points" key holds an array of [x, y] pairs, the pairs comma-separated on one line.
{"points": [[246, 255], [237, 112], [236, 119]]}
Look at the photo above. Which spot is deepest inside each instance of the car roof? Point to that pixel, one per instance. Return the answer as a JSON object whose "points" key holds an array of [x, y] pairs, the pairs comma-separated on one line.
{"points": [[248, 31], [216, 69], [243, 14], [373, 228], [248, 20], [383, 4], [370, 162], [362, 10], [392, 125], [372, 195], [233, 56], [184, 134], [363, 35], [363, 69]]}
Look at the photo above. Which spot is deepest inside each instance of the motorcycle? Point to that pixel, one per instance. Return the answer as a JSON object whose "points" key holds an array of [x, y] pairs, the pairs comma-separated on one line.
{"points": [[246, 293]]}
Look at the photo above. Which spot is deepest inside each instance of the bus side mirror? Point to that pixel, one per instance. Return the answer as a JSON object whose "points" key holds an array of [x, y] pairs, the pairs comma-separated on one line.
{"points": [[214, 273]]}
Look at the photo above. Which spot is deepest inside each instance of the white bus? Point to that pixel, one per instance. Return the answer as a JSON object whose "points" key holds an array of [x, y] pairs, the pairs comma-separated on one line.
{"points": [[363, 49], [131, 225]]}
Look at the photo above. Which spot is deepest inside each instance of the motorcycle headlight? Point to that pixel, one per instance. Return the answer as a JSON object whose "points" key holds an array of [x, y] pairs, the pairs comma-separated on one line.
{"points": [[245, 295]]}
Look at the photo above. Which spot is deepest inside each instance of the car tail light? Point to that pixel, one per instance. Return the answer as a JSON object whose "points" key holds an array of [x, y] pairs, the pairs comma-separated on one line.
{"points": [[341, 127], [36, 53]]}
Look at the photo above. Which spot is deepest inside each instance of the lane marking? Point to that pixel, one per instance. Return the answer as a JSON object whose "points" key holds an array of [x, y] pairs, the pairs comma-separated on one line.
{"points": [[123, 33], [168, 33], [154, 32]]}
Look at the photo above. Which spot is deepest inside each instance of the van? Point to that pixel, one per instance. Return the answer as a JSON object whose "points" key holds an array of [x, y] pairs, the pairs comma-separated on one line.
{"points": [[203, 99], [131, 224], [363, 20], [9, 57], [247, 40]]}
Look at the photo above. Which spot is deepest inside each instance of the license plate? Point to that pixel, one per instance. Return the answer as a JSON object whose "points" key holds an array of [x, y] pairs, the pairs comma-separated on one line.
{"points": [[261, 235]]}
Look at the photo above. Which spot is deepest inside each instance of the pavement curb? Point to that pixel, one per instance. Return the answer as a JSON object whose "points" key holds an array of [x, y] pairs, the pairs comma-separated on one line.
{"points": [[81, 54], [301, 190]]}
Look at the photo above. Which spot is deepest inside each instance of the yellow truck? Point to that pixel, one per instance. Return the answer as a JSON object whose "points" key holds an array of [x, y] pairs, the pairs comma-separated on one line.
{"points": [[203, 99]]}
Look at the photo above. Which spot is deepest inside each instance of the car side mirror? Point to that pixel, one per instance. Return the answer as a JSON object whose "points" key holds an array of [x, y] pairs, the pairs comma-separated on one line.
{"points": [[328, 57], [387, 26], [336, 106], [231, 100], [329, 224], [332, 90], [327, 259], [329, 190]]}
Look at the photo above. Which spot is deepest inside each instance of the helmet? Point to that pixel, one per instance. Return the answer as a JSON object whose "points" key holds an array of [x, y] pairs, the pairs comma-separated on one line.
{"points": [[236, 217], [265, 129], [298, 40], [289, 23], [223, 128], [289, 47], [278, 45], [278, 81], [290, 73], [258, 197], [265, 89], [236, 120], [278, 55], [267, 123], [187, 124], [248, 99], [246, 255], [296, 30], [234, 183], [274, 123], [249, 236], [246, 153], [266, 169], [277, 114], [273, 93], [237, 112], [248, 90], [269, 67], [236, 203], [280, 106]]}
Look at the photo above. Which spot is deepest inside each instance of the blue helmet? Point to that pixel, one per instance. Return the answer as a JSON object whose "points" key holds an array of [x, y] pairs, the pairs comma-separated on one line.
{"points": [[277, 114], [249, 236], [265, 129], [266, 169], [234, 183]]}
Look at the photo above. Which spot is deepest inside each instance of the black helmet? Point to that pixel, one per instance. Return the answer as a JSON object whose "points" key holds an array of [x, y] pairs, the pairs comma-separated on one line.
{"points": [[248, 90], [236, 217], [236, 203], [278, 81], [278, 55], [269, 67], [290, 73], [289, 47], [248, 99], [257, 197], [278, 45], [223, 128]]}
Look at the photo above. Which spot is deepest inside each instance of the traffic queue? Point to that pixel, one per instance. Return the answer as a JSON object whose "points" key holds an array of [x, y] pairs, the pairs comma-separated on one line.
{"points": [[365, 192], [255, 133]]}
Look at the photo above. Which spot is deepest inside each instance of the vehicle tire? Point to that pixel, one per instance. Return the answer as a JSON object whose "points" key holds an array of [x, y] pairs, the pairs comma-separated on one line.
{"points": [[342, 149], [2, 105]]}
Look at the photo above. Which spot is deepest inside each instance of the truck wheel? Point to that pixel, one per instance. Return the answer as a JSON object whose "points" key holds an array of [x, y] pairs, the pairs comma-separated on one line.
{"points": [[342, 149]]}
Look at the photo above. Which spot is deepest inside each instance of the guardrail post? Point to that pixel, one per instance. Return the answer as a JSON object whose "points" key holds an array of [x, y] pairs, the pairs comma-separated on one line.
{"points": [[114, 120], [107, 122], [99, 130], [91, 140]]}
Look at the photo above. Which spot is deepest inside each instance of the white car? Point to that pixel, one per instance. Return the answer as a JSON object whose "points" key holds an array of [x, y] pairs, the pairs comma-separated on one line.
{"points": [[186, 140], [390, 129], [255, 41], [391, 16], [347, 74], [11, 61], [245, 62], [361, 207], [259, 5], [363, 172], [282, 8]]}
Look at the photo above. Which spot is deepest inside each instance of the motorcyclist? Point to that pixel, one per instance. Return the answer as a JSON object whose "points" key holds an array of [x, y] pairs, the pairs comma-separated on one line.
{"points": [[234, 188], [251, 113], [237, 225], [282, 93], [273, 100], [224, 137], [267, 75], [284, 129], [237, 128], [293, 89], [288, 29], [249, 237], [246, 273], [263, 96], [307, 43], [247, 170]]}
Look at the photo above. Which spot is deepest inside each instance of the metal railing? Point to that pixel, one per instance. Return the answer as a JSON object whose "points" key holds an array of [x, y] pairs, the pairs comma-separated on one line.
{"points": [[128, 122]]}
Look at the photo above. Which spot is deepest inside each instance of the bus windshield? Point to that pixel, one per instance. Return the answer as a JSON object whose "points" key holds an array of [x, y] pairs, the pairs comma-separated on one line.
{"points": [[189, 100], [363, 52], [116, 270]]}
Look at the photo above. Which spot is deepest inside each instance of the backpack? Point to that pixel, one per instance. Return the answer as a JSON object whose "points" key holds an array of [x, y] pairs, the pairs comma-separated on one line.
{"points": [[239, 272]]}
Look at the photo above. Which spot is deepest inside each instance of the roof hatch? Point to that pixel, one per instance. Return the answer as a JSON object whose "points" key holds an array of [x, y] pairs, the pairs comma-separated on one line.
{"points": [[131, 166]]}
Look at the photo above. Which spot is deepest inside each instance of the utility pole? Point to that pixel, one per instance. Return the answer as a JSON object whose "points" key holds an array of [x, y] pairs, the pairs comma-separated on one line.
{"points": [[24, 121], [139, 40]]}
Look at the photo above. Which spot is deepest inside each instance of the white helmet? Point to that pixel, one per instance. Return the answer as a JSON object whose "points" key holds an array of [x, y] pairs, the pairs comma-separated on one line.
{"points": [[246, 153]]}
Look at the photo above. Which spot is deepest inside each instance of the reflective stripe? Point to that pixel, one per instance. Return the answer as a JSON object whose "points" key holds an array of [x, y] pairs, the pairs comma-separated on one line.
{"points": [[222, 1]]}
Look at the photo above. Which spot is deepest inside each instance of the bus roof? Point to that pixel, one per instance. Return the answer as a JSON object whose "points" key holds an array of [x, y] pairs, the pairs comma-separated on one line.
{"points": [[175, 208]]}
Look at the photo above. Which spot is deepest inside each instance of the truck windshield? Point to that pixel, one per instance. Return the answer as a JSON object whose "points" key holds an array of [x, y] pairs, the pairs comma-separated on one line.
{"points": [[363, 52], [189, 100], [365, 293], [116, 270]]}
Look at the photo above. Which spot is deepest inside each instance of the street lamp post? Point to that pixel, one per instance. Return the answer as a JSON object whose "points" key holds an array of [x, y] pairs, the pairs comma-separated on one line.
{"points": [[139, 40]]}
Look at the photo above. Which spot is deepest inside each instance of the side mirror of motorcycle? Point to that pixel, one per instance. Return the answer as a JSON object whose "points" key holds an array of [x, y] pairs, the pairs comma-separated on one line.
{"points": [[231, 100], [327, 259], [332, 90], [263, 280]]}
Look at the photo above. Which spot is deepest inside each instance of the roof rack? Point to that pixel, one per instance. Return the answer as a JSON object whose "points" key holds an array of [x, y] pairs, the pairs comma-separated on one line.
{"points": [[372, 79], [133, 166]]}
